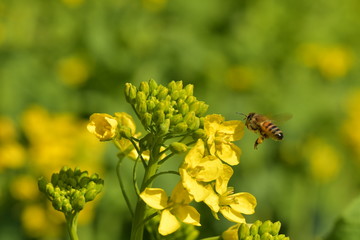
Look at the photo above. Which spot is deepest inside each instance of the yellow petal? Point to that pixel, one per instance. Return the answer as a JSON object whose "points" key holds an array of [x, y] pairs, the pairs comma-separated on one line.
{"points": [[229, 153], [231, 233], [212, 201], [155, 198], [188, 214], [180, 194], [103, 126], [244, 203], [195, 154], [168, 223], [208, 169], [233, 130], [126, 120], [232, 215], [223, 180], [198, 190]]}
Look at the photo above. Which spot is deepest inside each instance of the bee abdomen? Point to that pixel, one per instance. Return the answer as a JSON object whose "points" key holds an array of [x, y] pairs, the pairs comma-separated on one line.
{"points": [[273, 131]]}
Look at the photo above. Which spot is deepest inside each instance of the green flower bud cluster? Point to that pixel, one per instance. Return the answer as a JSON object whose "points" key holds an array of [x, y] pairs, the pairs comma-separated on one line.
{"points": [[171, 109], [261, 231], [70, 189]]}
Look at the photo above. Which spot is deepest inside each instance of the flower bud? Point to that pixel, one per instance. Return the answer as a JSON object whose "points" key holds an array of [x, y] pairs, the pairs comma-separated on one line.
{"points": [[145, 88], [179, 85], [254, 229], [180, 127], [90, 195], [151, 104], [140, 97], [72, 182], [265, 227], [189, 118], [175, 95], [190, 99], [195, 106], [50, 189], [54, 178], [275, 228], [42, 184], [199, 133], [202, 109], [146, 119], [84, 181], [66, 207], [172, 86], [249, 238], [79, 203], [164, 127], [175, 119], [184, 108], [163, 92], [266, 236], [152, 85], [103, 126], [130, 93], [158, 117], [243, 231], [189, 89], [178, 147], [57, 204], [195, 124], [141, 107]]}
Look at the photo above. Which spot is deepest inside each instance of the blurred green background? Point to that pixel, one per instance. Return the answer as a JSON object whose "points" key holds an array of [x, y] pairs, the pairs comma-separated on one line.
{"points": [[61, 60]]}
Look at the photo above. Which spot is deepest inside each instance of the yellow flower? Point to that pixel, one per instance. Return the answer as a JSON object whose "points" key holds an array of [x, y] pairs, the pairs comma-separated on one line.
{"points": [[103, 126], [173, 209], [12, 155], [24, 188], [220, 136], [73, 71], [198, 171]]}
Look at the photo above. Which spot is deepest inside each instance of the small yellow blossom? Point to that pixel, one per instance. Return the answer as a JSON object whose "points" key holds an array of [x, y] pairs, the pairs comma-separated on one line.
{"points": [[73, 71], [199, 170], [231, 233], [12, 155], [174, 210], [220, 136], [24, 188], [8, 130], [103, 126]]}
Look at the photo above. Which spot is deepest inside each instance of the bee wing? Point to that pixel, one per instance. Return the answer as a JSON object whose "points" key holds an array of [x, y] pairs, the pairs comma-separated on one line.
{"points": [[282, 117]]}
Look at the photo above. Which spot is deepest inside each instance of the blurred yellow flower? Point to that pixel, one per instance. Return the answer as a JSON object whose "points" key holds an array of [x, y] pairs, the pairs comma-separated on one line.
{"points": [[24, 188], [8, 130], [12, 155], [333, 62], [240, 78], [324, 160], [35, 221], [103, 126], [173, 210], [73, 71], [221, 134]]}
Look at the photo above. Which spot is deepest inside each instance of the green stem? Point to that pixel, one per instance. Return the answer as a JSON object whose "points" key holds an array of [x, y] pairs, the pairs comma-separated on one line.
{"points": [[122, 187], [137, 230], [71, 223], [158, 174]]}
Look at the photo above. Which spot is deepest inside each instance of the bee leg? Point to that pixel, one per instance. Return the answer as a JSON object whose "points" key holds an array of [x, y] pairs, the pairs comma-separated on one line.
{"points": [[258, 141]]}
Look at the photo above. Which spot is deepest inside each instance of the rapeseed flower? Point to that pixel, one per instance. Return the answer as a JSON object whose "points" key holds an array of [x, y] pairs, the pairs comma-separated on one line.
{"points": [[174, 210], [221, 134], [103, 126]]}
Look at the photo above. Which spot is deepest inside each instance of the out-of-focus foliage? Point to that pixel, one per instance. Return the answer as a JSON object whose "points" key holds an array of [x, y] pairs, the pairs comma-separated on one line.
{"points": [[62, 60]]}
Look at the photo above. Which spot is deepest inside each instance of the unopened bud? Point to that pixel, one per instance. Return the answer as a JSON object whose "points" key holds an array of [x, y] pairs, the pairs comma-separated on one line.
{"points": [[130, 93], [79, 203], [195, 124], [266, 236], [146, 119], [50, 189], [178, 147], [254, 229], [158, 117], [152, 85], [151, 104], [199, 133], [140, 97], [243, 231], [180, 127], [42, 184], [164, 127], [163, 92], [175, 119], [189, 89], [184, 108], [275, 228], [145, 88], [190, 99], [54, 178], [90, 195], [141, 107], [265, 227], [202, 108]]}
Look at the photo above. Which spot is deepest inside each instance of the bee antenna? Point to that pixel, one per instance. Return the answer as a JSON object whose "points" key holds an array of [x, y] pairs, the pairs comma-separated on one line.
{"points": [[245, 116]]}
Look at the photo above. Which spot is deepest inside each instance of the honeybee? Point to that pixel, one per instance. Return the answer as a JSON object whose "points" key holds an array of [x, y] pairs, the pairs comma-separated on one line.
{"points": [[262, 125]]}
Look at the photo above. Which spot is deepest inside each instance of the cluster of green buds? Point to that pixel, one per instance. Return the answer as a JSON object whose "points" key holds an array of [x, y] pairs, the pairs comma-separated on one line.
{"points": [[70, 189], [261, 231], [162, 110]]}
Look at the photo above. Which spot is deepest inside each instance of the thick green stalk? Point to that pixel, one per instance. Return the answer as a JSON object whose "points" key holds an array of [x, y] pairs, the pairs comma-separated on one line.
{"points": [[137, 230], [71, 222]]}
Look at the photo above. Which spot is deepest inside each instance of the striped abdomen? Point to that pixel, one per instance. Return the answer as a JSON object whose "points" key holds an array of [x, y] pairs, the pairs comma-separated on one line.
{"points": [[271, 130]]}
